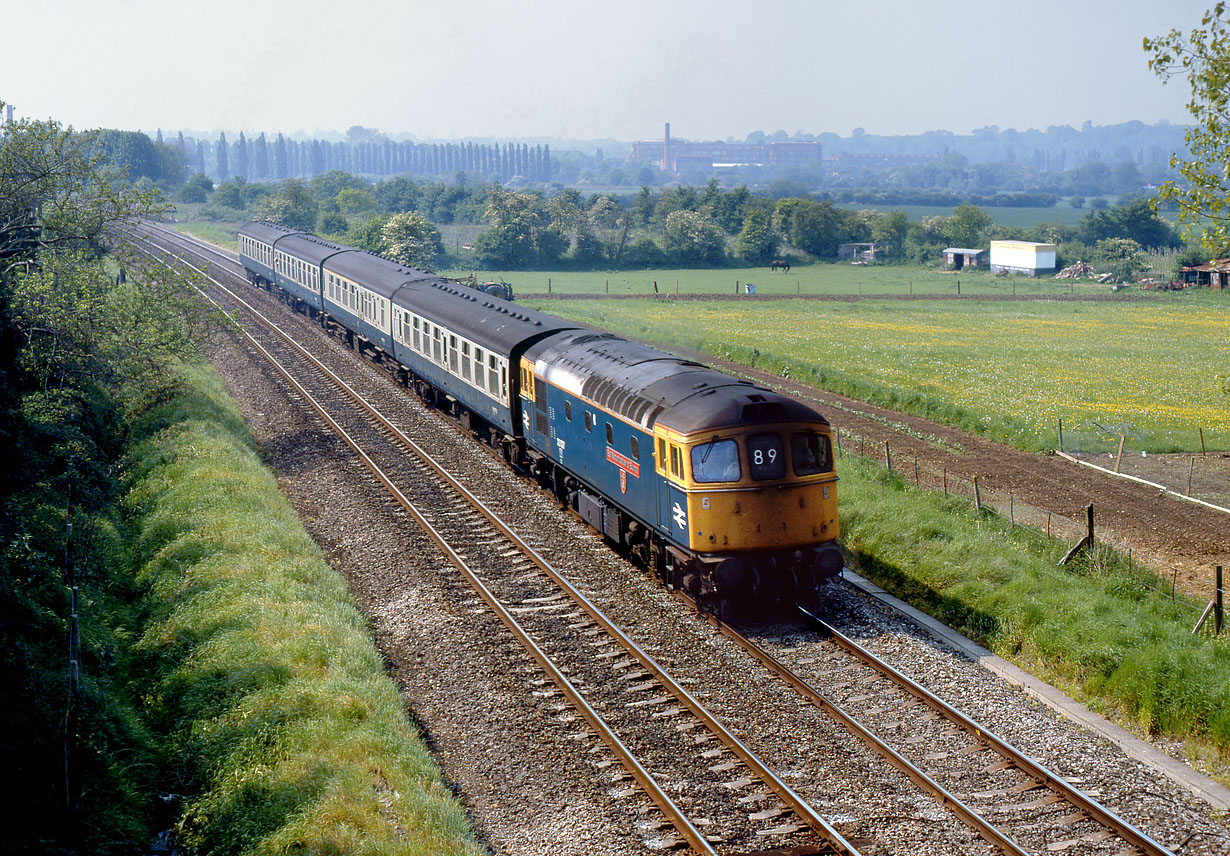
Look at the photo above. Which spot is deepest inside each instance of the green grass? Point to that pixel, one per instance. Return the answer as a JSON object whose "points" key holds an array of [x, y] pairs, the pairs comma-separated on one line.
{"points": [[221, 234], [1005, 369], [830, 279], [259, 666], [1004, 215], [1098, 628]]}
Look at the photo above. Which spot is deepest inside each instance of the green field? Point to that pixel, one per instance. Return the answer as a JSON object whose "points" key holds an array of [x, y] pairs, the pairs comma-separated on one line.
{"points": [[1024, 217], [832, 278], [1006, 369]]}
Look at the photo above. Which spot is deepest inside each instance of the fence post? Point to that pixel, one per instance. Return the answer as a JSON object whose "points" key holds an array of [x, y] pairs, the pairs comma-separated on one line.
{"points": [[548, 285], [1201, 430], [916, 481], [888, 459], [1011, 509], [608, 286], [736, 286], [1191, 466], [1089, 523], [798, 287], [1061, 433], [945, 482], [977, 496], [1119, 457], [958, 288], [1217, 607]]}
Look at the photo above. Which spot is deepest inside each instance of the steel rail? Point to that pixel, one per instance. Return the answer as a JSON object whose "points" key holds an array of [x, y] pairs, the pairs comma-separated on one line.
{"points": [[760, 770], [976, 822], [1019, 759], [647, 783]]}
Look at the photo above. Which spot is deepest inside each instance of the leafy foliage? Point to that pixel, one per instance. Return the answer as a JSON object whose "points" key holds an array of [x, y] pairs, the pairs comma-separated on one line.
{"points": [[1203, 56], [412, 240], [292, 205]]}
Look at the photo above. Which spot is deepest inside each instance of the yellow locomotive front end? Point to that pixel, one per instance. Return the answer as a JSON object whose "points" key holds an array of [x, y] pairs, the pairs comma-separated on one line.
{"points": [[760, 503]]}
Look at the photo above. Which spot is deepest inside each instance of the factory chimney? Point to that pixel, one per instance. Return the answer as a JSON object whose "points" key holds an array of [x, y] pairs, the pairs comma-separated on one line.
{"points": [[666, 148]]}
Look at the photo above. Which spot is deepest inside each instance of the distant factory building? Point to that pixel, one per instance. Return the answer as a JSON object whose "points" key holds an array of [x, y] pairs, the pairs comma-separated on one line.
{"points": [[959, 258], [1024, 257], [673, 155]]}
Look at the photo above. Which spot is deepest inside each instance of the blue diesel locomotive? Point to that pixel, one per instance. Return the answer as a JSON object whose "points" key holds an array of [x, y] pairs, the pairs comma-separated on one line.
{"points": [[724, 489]]}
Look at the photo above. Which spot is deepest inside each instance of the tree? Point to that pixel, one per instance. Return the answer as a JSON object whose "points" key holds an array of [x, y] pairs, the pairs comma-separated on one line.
{"points": [[890, 230], [224, 171], [291, 206], [196, 188], [411, 239], [517, 224], [818, 227], [352, 201], [1122, 256], [1136, 220], [691, 237], [1202, 57], [967, 227], [757, 242]]}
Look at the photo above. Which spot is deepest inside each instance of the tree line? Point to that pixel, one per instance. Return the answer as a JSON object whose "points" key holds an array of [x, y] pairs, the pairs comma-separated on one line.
{"points": [[683, 226]]}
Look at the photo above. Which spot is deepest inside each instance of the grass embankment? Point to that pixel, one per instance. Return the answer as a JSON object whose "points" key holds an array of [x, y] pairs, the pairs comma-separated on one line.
{"points": [[259, 666], [1006, 370], [1099, 628]]}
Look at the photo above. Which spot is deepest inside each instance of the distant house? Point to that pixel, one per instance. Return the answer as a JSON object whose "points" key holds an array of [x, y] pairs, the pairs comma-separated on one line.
{"points": [[1024, 257], [959, 258], [1214, 274]]}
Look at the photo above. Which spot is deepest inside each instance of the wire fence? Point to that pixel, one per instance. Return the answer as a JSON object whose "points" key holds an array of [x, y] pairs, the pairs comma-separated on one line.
{"points": [[1161, 577]]}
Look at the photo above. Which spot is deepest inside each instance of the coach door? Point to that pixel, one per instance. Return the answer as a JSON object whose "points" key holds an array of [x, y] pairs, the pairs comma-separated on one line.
{"points": [[541, 422]]}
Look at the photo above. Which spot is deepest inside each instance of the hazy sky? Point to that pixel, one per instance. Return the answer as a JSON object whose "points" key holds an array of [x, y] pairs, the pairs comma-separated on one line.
{"points": [[582, 69]]}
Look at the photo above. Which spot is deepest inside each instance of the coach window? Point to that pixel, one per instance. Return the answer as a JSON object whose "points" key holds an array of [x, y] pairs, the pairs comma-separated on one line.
{"points": [[493, 375], [466, 361], [716, 461], [452, 355], [765, 457], [568, 410], [418, 345]]}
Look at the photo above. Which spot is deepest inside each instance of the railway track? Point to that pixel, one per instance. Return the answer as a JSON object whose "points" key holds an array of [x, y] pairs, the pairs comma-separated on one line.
{"points": [[942, 751], [964, 765], [645, 718]]}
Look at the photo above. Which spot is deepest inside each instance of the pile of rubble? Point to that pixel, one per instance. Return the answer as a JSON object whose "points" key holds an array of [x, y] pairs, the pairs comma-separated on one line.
{"points": [[1080, 270]]}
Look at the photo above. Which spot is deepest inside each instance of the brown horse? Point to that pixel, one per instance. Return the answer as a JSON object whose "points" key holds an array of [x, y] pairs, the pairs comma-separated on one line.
{"points": [[779, 264]]}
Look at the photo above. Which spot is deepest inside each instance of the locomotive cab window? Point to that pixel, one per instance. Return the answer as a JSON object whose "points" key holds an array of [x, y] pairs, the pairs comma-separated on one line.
{"points": [[765, 458], [635, 448], [812, 453], [716, 461], [568, 410], [610, 435], [589, 422]]}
